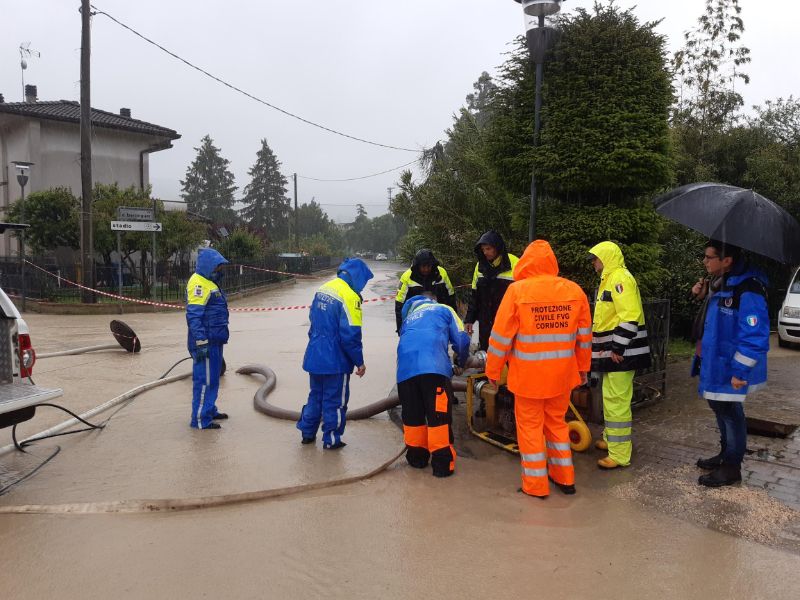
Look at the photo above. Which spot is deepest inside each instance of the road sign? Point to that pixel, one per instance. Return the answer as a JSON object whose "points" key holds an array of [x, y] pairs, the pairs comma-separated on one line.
{"points": [[134, 213], [134, 226]]}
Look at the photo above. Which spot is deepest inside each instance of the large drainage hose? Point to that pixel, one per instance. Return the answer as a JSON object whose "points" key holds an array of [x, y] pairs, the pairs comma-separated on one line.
{"points": [[262, 404]]}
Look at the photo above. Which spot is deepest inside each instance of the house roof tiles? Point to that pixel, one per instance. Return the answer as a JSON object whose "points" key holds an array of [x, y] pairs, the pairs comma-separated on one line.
{"points": [[70, 111]]}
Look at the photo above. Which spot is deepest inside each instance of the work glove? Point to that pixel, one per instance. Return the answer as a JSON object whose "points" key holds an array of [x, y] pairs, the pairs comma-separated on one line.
{"points": [[200, 353]]}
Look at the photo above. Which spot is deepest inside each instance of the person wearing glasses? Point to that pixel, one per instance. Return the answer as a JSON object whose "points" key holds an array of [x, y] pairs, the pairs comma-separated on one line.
{"points": [[732, 355]]}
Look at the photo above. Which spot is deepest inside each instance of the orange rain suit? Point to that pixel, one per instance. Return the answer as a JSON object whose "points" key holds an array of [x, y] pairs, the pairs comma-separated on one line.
{"points": [[543, 329]]}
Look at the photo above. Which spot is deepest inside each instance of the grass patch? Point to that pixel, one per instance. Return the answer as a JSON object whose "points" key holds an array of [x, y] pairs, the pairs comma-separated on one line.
{"points": [[680, 349]]}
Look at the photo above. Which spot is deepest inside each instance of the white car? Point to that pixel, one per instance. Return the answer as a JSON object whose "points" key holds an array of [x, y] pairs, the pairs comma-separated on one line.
{"points": [[381, 257], [16, 340], [789, 315]]}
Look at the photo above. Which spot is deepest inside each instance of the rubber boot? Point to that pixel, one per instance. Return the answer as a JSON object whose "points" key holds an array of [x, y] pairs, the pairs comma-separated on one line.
{"points": [[601, 444], [565, 488], [723, 475], [710, 463]]}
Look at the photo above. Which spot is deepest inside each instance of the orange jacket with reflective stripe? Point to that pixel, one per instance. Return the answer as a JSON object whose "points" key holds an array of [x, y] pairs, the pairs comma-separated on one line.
{"points": [[543, 329]]}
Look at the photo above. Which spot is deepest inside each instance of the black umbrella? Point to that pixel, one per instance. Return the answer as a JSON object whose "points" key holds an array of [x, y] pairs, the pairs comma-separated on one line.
{"points": [[735, 216]]}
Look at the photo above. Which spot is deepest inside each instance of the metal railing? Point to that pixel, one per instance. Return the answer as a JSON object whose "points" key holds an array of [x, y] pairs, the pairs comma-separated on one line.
{"points": [[171, 278]]}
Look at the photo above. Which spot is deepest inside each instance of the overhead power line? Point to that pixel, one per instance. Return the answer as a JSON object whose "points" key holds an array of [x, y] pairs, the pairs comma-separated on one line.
{"points": [[249, 95], [357, 178]]}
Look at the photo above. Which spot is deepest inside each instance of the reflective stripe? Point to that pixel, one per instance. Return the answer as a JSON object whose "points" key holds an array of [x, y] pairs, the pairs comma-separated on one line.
{"points": [[564, 462], [543, 355], [559, 445], [745, 360], [618, 438], [618, 339], [726, 397], [497, 352], [586, 345], [602, 339], [756, 387], [618, 424], [532, 457], [536, 338], [534, 472], [628, 352], [634, 327], [584, 330], [500, 338], [507, 277]]}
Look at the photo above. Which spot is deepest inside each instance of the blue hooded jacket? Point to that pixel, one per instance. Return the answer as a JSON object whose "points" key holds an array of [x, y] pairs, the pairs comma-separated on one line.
{"points": [[735, 336], [206, 305], [334, 338], [427, 328]]}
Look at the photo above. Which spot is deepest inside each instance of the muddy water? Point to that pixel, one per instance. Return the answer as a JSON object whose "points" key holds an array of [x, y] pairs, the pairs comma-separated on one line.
{"points": [[400, 534]]}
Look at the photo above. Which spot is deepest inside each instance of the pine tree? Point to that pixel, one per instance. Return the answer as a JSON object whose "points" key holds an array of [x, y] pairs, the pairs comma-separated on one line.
{"points": [[208, 187], [265, 199]]}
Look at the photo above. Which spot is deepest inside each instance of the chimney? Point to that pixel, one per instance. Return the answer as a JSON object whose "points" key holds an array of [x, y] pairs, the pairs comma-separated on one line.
{"points": [[2, 100], [30, 93], [125, 112]]}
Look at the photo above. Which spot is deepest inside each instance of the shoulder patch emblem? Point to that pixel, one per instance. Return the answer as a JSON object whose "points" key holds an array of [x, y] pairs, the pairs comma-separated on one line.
{"points": [[198, 291], [752, 320], [619, 288]]}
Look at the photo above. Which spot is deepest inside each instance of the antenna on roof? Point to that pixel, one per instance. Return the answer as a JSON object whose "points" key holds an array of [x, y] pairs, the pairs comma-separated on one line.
{"points": [[24, 53]]}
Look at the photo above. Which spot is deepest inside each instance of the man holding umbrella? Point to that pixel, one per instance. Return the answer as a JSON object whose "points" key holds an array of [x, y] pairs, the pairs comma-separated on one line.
{"points": [[735, 338], [732, 356]]}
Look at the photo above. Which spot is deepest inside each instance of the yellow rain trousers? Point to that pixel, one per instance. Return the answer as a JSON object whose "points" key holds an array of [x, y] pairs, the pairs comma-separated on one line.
{"points": [[617, 393]]}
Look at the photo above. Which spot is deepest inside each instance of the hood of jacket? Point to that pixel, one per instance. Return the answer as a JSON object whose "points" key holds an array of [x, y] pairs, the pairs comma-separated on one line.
{"points": [[208, 259], [610, 255], [424, 257], [355, 273], [742, 271], [492, 238], [538, 259], [414, 303]]}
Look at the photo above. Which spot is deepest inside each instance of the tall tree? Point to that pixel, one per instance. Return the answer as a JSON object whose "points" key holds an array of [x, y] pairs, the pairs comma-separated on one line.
{"points": [[208, 187], [709, 66], [607, 95], [265, 199]]}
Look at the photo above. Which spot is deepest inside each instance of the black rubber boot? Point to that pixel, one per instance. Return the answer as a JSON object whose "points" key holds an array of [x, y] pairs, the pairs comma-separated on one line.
{"points": [[565, 489], [710, 463], [310, 440], [721, 476], [220, 416], [213, 426], [334, 446]]}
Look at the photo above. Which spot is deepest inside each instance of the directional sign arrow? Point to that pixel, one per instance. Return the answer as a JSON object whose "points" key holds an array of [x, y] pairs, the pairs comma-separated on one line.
{"points": [[135, 226]]}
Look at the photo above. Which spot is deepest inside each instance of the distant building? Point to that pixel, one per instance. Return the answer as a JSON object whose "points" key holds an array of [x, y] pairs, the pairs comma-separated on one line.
{"points": [[48, 135]]}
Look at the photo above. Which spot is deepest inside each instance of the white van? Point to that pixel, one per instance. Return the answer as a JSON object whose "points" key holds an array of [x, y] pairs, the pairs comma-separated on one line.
{"points": [[789, 315]]}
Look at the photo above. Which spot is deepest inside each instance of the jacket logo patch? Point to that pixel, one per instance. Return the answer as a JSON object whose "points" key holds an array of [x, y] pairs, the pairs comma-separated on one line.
{"points": [[728, 302], [752, 320], [198, 291], [619, 288]]}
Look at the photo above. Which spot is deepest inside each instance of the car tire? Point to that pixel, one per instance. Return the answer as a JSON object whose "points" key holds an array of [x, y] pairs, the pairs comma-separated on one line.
{"points": [[784, 343]]}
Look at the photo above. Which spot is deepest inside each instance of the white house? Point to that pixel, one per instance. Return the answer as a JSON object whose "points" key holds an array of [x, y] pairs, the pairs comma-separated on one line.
{"points": [[47, 134]]}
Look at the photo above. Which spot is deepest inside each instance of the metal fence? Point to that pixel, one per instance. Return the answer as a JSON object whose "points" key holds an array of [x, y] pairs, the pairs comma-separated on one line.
{"points": [[171, 278]]}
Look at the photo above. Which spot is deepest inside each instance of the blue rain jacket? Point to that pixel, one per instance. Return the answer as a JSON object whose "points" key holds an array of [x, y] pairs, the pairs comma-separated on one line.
{"points": [[735, 337], [206, 306], [334, 338], [427, 328]]}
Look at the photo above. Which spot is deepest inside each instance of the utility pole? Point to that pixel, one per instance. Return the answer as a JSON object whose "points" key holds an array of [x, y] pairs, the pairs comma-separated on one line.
{"points": [[87, 237], [296, 230], [389, 189]]}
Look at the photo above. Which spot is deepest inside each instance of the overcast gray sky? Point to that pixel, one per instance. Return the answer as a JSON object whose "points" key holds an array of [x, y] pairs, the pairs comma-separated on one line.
{"points": [[392, 72]]}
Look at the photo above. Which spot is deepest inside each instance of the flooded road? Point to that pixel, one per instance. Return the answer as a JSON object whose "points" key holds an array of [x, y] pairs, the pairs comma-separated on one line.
{"points": [[401, 533]]}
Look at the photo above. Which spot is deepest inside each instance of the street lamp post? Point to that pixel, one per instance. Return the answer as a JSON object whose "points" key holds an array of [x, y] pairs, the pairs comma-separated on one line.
{"points": [[540, 40], [23, 168]]}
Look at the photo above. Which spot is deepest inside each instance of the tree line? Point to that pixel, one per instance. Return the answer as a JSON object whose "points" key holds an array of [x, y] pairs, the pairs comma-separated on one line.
{"points": [[622, 121]]}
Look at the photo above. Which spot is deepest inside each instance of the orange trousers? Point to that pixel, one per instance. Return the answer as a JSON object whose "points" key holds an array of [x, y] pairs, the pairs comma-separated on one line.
{"points": [[543, 440]]}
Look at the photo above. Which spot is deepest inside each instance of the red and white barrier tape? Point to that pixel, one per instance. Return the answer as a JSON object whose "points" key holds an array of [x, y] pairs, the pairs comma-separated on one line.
{"points": [[181, 306]]}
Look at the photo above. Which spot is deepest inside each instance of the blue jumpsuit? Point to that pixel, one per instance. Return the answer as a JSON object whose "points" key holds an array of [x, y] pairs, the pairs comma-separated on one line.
{"points": [[207, 321], [334, 349]]}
